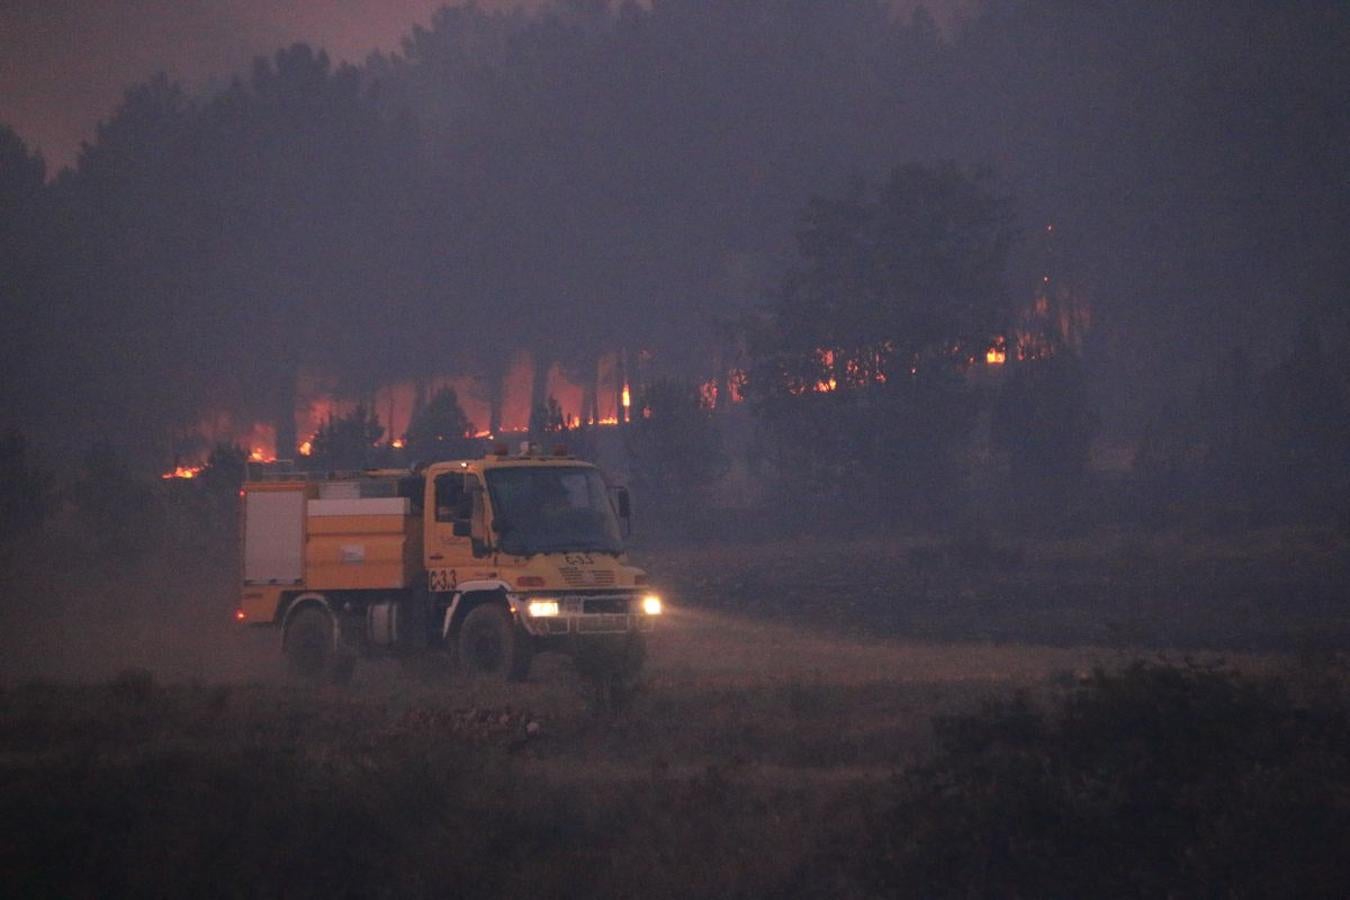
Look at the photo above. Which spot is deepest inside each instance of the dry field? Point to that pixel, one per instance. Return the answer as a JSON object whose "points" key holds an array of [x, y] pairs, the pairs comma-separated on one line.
{"points": [[148, 747]]}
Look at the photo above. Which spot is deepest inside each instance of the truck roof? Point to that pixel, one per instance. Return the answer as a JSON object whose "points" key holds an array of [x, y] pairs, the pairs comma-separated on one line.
{"points": [[493, 461], [274, 473]]}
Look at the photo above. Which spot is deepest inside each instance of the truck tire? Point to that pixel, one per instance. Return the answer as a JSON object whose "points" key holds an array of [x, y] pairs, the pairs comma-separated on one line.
{"points": [[308, 644], [490, 645]]}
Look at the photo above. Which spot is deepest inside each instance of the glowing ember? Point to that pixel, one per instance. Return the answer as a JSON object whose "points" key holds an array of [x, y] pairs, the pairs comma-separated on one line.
{"points": [[736, 380], [306, 448], [397, 443]]}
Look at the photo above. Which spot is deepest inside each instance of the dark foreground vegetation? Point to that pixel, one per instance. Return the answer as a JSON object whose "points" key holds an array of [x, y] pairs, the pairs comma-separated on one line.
{"points": [[1143, 780], [1155, 781], [830, 711]]}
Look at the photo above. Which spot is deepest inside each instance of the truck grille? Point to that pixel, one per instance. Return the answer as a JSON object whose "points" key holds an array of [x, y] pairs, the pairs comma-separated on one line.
{"points": [[575, 577], [617, 605], [602, 624]]}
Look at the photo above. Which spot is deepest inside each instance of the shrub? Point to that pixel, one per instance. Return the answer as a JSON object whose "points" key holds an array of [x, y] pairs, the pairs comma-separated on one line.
{"points": [[1155, 781]]}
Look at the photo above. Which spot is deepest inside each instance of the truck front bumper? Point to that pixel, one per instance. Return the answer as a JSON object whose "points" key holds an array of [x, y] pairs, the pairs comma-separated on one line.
{"points": [[548, 614]]}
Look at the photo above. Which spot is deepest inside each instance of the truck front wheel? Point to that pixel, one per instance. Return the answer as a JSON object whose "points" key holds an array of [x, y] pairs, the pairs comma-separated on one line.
{"points": [[309, 647], [490, 644]]}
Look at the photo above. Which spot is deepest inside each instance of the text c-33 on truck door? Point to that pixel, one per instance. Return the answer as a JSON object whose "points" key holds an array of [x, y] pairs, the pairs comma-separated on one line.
{"points": [[442, 579]]}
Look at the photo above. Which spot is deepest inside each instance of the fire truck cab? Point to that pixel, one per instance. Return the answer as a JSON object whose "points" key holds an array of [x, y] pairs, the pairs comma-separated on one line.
{"points": [[491, 560]]}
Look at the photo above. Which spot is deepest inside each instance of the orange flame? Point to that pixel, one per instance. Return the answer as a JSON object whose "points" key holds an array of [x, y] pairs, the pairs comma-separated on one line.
{"points": [[829, 383], [997, 353]]}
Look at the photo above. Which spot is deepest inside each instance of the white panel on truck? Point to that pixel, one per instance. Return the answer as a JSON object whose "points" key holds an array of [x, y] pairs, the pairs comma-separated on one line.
{"points": [[274, 537], [372, 506], [340, 490]]}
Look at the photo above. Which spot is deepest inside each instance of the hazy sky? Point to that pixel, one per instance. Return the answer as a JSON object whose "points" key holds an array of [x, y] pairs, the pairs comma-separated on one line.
{"points": [[65, 63]]}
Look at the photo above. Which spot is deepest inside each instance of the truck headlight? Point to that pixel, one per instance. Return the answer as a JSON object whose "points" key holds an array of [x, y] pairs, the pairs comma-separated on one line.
{"points": [[651, 605], [542, 609]]}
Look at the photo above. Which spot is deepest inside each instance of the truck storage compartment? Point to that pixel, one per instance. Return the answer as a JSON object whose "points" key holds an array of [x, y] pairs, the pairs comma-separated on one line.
{"points": [[361, 543], [274, 536]]}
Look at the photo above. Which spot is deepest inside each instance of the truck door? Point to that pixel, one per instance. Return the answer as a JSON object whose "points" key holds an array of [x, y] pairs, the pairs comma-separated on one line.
{"points": [[450, 545]]}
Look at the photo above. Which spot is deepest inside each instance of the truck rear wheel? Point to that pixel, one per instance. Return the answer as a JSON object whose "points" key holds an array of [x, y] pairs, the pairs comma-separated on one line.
{"points": [[490, 645], [308, 643]]}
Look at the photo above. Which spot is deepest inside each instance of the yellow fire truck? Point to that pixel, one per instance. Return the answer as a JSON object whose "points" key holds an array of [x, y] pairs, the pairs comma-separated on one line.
{"points": [[490, 560]]}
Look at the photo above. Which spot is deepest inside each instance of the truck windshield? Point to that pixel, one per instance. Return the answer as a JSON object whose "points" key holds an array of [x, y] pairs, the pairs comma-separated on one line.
{"points": [[552, 510]]}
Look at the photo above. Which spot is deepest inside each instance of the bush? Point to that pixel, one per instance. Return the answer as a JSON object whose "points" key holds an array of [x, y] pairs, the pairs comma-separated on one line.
{"points": [[1155, 781]]}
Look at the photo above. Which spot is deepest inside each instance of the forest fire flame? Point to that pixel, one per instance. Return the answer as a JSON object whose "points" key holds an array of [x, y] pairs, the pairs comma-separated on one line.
{"points": [[602, 398], [500, 406]]}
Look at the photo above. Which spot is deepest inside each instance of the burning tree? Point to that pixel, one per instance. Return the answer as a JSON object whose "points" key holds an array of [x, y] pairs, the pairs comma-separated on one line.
{"points": [[857, 372], [439, 430], [347, 442]]}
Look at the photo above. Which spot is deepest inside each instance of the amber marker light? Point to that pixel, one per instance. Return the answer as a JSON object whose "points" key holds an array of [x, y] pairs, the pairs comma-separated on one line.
{"points": [[240, 615]]}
